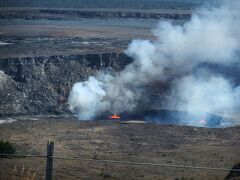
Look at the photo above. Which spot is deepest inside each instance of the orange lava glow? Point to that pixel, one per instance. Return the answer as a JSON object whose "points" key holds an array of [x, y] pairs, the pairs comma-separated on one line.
{"points": [[114, 116]]}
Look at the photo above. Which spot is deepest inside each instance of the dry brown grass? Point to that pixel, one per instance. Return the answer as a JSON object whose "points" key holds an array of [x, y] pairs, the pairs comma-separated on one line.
{"points": [[19, 174], [129, 142]]}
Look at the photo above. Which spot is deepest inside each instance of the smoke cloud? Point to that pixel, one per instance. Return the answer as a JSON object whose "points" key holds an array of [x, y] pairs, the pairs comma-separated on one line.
{"points": [[202, 95], [210, 37]]}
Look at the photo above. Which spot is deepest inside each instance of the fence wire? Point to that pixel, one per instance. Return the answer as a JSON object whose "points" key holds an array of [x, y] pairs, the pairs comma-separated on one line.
{"points": [[124, 162]]}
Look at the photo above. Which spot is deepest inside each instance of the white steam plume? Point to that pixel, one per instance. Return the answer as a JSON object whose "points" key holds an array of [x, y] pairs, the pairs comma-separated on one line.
{"points": [[211, 36], [201, 95]]}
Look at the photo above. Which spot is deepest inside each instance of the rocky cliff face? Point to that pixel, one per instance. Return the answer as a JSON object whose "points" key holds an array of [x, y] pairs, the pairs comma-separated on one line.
{"points": [[66, 14], [41, 85]]}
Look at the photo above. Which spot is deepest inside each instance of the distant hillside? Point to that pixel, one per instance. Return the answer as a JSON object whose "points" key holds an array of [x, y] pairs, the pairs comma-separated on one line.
{"points": [[133, 4]]}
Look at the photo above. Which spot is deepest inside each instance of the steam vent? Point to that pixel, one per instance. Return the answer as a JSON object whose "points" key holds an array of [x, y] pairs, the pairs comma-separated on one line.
{"points": [[119, 89]]}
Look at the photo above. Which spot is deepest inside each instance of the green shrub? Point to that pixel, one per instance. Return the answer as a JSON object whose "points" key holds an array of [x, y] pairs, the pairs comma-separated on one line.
{"points": [[6, 148]]}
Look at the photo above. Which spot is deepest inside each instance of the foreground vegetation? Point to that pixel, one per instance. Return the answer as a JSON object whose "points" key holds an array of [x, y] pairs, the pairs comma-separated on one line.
{"points": [[6, 147]]}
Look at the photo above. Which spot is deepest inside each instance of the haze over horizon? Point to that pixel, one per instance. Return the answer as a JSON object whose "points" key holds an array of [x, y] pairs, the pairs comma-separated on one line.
{"points": [[128, 4]]}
